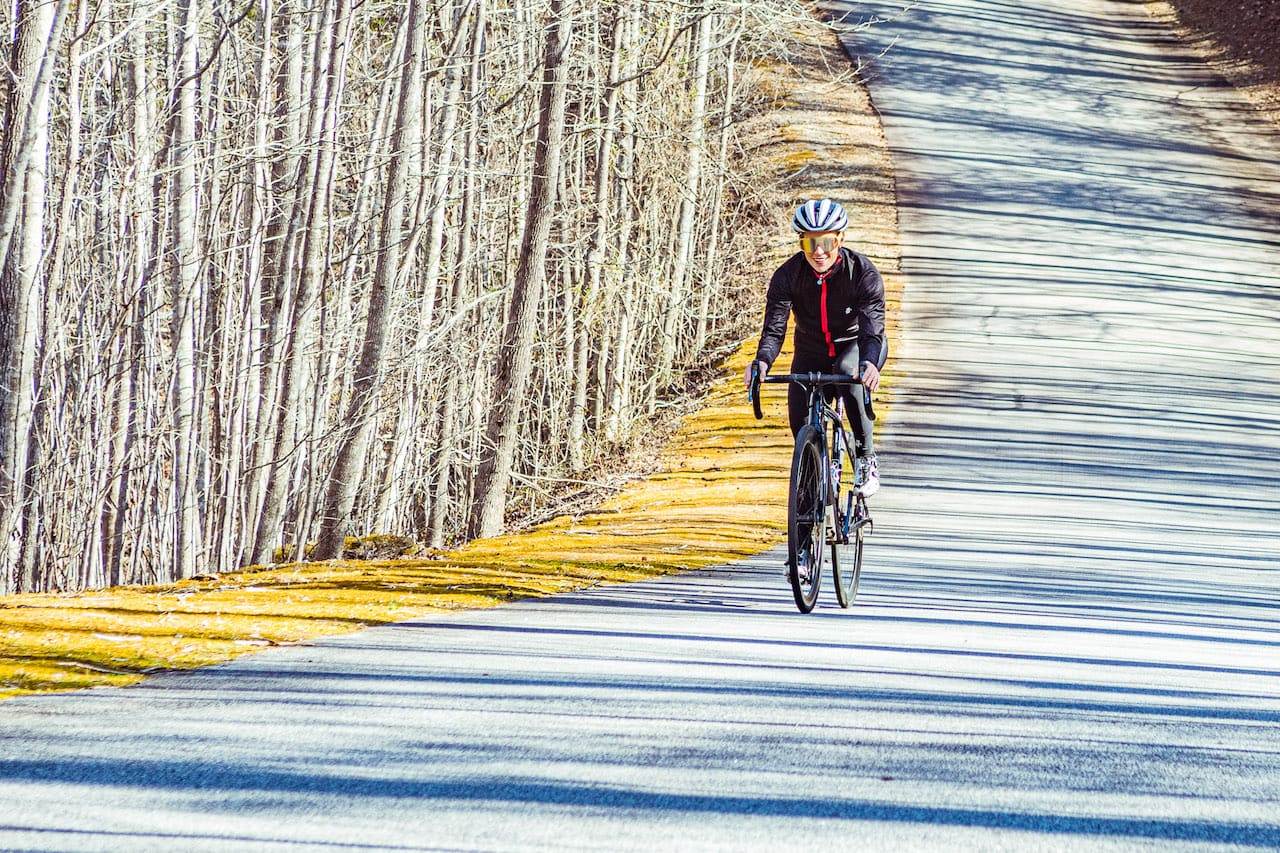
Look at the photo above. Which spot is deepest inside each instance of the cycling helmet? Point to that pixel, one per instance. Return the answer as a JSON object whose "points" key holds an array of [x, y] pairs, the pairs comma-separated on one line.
{"points": [[820, 215]]}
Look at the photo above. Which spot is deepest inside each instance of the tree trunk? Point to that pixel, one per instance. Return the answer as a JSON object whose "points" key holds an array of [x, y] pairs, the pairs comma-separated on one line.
{"points": [[23, 155], [315, 187], [438, 196], [186, 299], [514, 361], [595, 255], [361, 415], [717, 200], [440, 490], [281, 200], [137, 302], [622, 281], [245, 409], [684, 231]]}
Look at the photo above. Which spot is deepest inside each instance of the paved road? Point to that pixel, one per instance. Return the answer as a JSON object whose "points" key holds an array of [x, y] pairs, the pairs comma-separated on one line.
{"points": [[1069, 638]]}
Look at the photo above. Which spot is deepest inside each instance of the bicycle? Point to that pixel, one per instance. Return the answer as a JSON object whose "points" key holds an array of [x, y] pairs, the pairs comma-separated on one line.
{"points": [[814, 517]]}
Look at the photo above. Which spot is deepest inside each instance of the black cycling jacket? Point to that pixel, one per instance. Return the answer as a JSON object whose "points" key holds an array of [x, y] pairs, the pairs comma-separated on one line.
{"points": [[830, 315]]}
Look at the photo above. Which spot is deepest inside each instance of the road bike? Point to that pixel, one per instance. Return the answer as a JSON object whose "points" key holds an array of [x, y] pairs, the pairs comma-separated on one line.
{"points": [[815, 519]]}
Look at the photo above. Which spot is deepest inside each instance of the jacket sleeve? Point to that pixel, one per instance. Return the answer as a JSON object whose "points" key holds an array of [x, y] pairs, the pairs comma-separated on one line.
{"points": [[871, 338], [777, 311]]}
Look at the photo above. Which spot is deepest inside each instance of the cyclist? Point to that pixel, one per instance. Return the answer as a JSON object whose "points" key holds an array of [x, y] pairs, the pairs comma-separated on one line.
{"points": [[837, 297]]}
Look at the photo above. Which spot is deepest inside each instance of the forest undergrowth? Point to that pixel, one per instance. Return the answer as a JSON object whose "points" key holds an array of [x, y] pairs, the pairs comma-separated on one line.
{"points": [[709, 489]]}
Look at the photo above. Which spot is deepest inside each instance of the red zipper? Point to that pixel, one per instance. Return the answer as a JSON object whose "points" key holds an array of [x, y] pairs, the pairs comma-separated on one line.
{"points": [[826, 327]]}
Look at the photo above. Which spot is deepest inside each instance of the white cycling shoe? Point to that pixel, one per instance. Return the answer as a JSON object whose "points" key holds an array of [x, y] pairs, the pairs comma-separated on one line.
{"points": [[868, 476]]}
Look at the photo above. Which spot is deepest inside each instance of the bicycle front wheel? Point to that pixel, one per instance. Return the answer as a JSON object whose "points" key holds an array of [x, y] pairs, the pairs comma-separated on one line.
{"points": [[806, 519]]}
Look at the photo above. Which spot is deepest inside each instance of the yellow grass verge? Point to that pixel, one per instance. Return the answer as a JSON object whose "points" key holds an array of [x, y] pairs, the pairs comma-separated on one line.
{"points": [[719, 493]]}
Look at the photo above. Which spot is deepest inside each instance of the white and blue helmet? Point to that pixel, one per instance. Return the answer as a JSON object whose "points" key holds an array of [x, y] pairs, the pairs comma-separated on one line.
{"points": [[821, 214]]}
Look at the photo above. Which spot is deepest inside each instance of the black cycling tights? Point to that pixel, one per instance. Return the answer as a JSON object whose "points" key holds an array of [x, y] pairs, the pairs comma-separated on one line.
{"points": [[855, 412]]}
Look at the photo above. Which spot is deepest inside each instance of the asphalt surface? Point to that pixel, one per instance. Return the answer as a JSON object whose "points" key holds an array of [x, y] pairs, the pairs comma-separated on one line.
{"points": [[1067, 635]]}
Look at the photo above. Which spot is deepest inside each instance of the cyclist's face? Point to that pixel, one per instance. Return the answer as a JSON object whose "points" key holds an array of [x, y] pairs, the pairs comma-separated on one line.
{"points": [[821, 248]]}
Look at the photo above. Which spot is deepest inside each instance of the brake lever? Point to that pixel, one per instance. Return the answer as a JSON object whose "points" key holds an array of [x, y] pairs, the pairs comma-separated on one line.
{"points": [[753, 393]]}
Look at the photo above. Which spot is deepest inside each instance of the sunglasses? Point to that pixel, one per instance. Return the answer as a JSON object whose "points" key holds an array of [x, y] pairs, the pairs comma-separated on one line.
{"points": [[826, 243]]}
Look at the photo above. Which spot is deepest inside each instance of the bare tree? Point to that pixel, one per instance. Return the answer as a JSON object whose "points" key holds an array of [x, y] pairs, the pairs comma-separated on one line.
{"points": [[185, 297], [678, 286], [358, 426], [23, 153], [511, 384], [314, 185]]}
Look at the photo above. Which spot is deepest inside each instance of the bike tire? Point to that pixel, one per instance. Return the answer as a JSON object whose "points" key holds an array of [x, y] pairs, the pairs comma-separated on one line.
{"points": [[845, 572], [842, 577], [806, 519]]}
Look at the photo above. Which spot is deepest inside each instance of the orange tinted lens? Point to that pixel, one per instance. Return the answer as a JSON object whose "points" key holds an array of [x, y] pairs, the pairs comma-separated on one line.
{"points": [[826, 243]]}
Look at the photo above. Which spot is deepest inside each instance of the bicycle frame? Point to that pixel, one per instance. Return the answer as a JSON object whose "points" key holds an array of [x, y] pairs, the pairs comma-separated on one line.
{"points": [[820, 411]]}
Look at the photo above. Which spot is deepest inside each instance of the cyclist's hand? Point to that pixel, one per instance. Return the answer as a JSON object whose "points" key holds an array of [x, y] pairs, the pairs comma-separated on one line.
{"points": [[870, 376], [746, 377]]}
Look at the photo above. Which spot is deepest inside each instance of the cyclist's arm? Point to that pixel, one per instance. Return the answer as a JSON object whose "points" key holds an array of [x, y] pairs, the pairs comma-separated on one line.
{"points": [[777, 312], [871, 338]]}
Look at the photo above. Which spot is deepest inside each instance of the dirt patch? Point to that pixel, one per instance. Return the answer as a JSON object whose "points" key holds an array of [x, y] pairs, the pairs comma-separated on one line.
{"points": [[1240, 38], [718, 492]]}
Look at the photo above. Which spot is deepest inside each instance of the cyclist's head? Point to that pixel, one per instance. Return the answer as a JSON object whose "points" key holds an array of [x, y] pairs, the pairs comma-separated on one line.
{"points": [[820, 224]]}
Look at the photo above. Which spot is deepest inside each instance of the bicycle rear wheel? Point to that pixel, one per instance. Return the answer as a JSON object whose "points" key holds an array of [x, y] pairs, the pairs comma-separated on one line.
{"points": [[846, 560], [806, 519]]}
